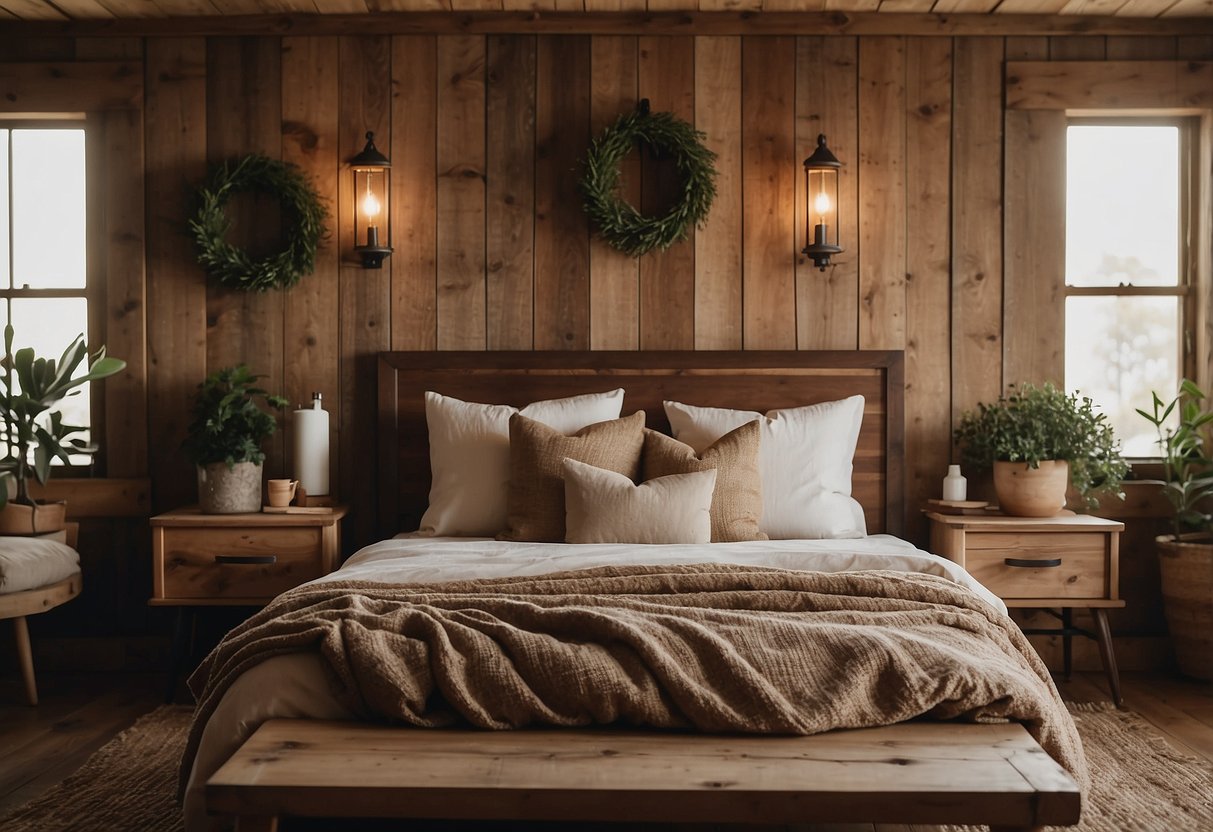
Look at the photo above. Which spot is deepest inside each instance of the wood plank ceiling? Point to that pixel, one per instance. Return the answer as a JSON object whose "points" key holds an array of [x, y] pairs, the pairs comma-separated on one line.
{"points": [[102, 9]]}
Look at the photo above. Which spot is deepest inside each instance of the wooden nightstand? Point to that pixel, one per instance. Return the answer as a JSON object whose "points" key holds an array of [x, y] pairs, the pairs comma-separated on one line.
{"points": [[208, 560], [1066, 562]]}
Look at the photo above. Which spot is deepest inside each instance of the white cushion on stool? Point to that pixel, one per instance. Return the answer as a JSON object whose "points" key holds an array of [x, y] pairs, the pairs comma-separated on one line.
{"points": [[31, 562]]}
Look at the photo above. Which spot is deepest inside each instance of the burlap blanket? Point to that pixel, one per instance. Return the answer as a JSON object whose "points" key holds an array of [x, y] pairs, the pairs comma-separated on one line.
{"points": [[711, 647]]}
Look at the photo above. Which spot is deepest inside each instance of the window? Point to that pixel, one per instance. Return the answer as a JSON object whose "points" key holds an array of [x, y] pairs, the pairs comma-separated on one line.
{"points": [[44, 282], [1127, 266]]}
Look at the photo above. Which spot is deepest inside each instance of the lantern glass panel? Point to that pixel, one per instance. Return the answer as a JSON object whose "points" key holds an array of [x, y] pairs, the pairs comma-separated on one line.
{"points": [[371, 207], [822, 214]]}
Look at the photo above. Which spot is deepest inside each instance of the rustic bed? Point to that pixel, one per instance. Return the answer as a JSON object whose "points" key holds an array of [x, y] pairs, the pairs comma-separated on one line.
{"points": [[917, 772]]}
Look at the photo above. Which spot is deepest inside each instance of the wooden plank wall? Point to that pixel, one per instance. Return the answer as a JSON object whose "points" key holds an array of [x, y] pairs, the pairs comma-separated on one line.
{"points": [[493, 251]]}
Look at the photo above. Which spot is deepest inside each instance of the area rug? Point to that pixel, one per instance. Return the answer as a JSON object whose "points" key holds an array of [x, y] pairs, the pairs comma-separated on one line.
{"points": [[129, 784], [1140, 783]]}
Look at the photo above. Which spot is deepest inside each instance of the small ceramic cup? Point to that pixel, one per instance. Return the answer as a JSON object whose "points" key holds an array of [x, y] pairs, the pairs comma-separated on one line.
{"points": [[281, 492]]}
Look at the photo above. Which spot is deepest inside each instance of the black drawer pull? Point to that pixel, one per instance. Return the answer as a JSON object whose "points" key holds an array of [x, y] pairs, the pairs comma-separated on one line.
{"points": [[1027, 563], [246, 560]]}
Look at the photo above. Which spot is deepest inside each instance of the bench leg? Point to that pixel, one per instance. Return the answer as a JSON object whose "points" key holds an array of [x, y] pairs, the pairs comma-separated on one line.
{"points": [[25, 656], [257, 823]]}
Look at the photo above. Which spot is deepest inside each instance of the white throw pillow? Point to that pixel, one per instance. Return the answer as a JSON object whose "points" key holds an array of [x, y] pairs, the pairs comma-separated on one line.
{"points": [[805, 460], [601, 506], [470, 455]]}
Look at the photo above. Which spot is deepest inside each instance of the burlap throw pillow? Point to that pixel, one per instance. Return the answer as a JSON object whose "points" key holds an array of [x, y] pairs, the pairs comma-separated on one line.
{"points": [[605, 507], [537, 453], [737, 499]]}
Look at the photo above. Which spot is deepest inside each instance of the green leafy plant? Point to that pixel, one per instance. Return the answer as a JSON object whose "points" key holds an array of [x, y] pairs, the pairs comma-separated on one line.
{"points": [[35, 433], [227, 425], [1029, 424], [1186, 456]]}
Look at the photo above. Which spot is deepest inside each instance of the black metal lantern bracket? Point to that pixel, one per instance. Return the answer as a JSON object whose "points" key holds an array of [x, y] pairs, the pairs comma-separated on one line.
{"points": [[819, 245], [372, 250]]}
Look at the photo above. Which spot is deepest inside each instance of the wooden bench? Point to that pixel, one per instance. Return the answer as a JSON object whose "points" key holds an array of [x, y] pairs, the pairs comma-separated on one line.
{"points": [[920, 772]]}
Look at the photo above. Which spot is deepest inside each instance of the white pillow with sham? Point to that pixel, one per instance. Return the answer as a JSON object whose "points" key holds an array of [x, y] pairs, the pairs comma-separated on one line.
{"points": [[602, 506], [470, 455], [805, 462]]}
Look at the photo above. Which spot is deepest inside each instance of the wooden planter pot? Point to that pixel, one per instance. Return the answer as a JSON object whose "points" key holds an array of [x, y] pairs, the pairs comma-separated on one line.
{"points": [[18, 519], [1031, 492], [1186, 566]]}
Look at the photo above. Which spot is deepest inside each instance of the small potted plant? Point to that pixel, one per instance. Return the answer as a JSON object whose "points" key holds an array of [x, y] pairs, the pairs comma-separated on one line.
{"points": [[224, 440], [1039, 441], [34, 431], [1185, 557]]}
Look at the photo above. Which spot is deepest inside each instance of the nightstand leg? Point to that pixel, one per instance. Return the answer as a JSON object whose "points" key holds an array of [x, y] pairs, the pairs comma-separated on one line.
{"points": [[182, 627], [1106, 653], [1067, 642]]}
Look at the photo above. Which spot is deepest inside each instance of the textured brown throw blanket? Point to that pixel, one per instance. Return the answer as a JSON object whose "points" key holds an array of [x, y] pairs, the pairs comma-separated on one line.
{"points": [[713, 647]]}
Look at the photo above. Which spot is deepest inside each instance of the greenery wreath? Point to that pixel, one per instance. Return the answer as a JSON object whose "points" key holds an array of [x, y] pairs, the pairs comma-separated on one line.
{"points": [[620, 224], [303, 216]]}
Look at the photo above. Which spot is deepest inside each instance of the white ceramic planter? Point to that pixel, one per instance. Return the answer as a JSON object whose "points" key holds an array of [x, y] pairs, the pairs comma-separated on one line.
{"points": [[224, 490]]}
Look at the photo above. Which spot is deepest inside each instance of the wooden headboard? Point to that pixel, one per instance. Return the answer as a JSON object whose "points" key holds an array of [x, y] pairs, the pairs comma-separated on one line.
{"points": [[744, 380]]}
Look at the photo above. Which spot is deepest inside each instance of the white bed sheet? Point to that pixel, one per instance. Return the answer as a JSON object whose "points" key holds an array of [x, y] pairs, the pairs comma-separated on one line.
{"points": [[295, 686], [412, 558]]}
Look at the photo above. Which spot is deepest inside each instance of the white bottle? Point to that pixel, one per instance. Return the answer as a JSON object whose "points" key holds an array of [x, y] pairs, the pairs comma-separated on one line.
{"points": [[955, 487], [311, 431]]}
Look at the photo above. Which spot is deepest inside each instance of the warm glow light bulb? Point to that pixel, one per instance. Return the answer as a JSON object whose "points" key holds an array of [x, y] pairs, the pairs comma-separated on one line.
{"points": [[370, 205], [822, 204]]}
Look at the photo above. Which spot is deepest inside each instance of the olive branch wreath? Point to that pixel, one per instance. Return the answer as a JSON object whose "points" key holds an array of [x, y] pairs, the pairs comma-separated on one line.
{"points": [[303, 216], [618, 222]]}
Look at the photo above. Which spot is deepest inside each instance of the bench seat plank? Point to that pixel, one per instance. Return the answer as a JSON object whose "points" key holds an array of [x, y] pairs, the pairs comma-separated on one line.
{"points": [[922, 772]]}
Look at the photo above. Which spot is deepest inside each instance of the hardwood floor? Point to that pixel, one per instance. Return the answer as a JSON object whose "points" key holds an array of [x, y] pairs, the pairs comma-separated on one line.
{"points": [[77, 714], [81, 712]]}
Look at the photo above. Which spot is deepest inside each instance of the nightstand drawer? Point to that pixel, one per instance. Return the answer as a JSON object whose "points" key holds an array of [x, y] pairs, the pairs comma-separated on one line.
{"points": [[1071, 565], [250, 562]]}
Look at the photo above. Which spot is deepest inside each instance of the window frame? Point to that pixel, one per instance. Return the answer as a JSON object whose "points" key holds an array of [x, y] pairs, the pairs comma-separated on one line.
{"points": [[1189, 127], [94, 263], [1039, 97]]}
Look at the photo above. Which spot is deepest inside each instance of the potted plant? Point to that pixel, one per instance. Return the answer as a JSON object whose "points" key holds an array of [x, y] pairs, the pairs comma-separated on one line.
{"points": [[1041, 440], [1186, 556], [224, 440], [35, 433]]}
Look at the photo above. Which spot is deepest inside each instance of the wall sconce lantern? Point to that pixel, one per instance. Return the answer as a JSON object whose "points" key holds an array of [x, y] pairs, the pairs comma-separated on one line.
{"points": [[372, 234], [821, 205]]}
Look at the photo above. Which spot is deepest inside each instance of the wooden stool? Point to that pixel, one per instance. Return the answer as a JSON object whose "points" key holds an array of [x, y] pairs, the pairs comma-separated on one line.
{"points": [[17, 605]]}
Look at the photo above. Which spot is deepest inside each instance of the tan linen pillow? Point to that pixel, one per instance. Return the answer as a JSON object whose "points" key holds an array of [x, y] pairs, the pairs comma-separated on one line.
{"points": [[536, 497], [737, 499], [605, 507]]}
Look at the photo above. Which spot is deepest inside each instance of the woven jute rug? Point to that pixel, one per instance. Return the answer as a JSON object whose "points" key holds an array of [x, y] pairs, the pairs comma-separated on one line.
{"points": [[1140, 783], [129, 784]]}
